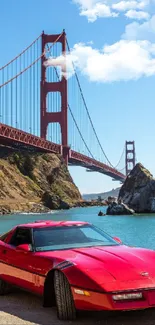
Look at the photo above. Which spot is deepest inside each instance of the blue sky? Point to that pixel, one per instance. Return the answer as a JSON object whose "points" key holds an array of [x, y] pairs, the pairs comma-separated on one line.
{"points": [[113, 44]]}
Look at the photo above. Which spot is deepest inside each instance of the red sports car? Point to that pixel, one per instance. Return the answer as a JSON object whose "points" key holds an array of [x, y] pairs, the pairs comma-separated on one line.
{"points": [[77, 267]]}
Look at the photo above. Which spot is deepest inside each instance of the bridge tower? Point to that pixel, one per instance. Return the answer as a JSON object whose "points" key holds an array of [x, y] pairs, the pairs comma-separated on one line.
{"points": [[130, 156], [61, 87]]}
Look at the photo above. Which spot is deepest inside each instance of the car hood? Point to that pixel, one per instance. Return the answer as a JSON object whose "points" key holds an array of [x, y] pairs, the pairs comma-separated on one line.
{"points": [[120, 262]]}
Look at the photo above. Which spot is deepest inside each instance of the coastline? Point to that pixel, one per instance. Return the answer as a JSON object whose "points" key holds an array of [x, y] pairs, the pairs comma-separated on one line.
{"points": [[39, 208]]}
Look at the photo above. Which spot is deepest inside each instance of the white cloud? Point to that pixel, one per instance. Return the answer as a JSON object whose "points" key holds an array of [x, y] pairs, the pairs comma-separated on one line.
{"points": [[124, 60], [139, 15], [129, 5], [85, 4], [98, 10], [128, 59], [93, 9], [61, 62], [144, 31]]}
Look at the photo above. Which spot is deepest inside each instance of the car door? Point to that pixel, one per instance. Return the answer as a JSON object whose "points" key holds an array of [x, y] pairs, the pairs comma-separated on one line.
{"points": [[21, 266], [5, 268], [3, 262]]}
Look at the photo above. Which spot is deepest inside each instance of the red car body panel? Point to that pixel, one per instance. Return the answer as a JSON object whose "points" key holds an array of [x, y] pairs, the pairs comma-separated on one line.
{"points": [[101, 271]]}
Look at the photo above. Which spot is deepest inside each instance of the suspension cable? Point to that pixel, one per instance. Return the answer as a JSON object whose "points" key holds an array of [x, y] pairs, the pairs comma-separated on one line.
{"points": [[86, 107], [21, 53], [80, 132], [120, 157], [21, 72], [88, 110]]}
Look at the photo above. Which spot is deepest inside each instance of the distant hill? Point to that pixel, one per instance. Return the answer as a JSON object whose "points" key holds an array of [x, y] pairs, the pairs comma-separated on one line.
{"points": [[94, 196]]}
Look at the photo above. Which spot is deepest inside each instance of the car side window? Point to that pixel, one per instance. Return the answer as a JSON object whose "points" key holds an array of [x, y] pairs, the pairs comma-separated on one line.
{"points": [[4, 236], [21, 236]]}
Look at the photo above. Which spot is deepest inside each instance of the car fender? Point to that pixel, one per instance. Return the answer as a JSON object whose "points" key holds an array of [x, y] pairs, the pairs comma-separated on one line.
{"points": [[76, 276]]}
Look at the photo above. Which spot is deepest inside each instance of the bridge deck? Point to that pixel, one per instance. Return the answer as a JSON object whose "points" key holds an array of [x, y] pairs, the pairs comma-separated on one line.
{"points": [[15, 137], [94, 165]]}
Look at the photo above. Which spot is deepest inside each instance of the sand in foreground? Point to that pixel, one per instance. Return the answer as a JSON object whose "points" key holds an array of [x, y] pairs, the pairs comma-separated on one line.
{"points": [[21, 308]]}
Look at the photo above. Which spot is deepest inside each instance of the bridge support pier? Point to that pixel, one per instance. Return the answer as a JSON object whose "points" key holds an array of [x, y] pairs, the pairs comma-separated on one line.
{"points": [[60, 117]]}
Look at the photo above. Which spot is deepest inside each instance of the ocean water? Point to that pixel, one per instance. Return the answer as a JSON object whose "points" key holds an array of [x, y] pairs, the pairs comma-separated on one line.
{"points": [[138, 230]]}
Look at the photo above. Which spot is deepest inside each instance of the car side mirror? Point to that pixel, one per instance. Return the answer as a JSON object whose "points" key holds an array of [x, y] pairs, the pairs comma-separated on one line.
{"points": [[24, 247], [118, 240]]}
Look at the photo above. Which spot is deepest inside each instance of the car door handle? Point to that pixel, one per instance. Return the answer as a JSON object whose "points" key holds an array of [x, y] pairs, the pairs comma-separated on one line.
{"points": [[4, 251]]}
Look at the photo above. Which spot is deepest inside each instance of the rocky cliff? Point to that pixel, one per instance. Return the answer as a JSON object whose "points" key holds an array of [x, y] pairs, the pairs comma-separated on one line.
{"points": [[34, 182], [138, 191]]}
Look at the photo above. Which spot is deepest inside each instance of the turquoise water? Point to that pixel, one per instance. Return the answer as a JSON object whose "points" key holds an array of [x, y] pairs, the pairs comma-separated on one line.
{"points": [[133, 230]]}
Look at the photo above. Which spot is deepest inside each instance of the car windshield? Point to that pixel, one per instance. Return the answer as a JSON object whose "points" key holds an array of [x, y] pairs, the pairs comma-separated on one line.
{"points": [[59, 238]]}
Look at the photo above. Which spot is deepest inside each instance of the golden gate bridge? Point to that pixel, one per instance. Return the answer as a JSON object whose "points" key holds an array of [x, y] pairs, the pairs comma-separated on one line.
{"points": [[41, 109]]}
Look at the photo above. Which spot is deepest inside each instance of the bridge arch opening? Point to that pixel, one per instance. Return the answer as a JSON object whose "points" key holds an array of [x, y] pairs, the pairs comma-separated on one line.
{"points": [[54, 133], [53, 74], [53, 51], [54, 56], [53, 102]]}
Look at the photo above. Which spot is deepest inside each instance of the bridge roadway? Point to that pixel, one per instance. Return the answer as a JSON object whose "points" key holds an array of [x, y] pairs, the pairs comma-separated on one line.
{"points": [[15, 137]]}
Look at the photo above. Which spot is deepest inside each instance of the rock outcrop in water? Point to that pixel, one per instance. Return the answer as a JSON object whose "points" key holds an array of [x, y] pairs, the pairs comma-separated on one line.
{"points": [[34, 182], [138, 190], [115, 208], [101, 214]]}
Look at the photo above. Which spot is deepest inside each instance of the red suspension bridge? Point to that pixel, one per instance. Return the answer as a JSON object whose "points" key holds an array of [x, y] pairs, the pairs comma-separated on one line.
{"points": [[42, 109]]}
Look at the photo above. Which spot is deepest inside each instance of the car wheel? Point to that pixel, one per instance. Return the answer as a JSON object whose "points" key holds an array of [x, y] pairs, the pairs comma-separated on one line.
{"points": [[4, 288], [64, 299]]}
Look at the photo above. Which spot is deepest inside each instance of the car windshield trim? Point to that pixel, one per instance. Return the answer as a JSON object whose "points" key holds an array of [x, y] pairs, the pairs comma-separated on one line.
{"points": [[66, 247]]}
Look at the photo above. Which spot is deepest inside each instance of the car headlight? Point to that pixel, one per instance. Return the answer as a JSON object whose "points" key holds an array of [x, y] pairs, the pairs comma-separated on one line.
{"points": [[82, 292], [127, 296]]}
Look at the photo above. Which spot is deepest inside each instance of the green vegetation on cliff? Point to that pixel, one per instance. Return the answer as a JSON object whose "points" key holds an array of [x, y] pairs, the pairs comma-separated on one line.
{"points": [[32, 181]]}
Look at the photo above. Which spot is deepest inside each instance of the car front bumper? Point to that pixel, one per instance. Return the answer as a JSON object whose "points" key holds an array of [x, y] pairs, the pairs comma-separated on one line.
{"points": [[104, 301]]}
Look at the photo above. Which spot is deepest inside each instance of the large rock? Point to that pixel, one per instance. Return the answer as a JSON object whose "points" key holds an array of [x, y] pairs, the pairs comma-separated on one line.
{"points": [[138, 190], [26, 179], [54, 202], [115, 208]]}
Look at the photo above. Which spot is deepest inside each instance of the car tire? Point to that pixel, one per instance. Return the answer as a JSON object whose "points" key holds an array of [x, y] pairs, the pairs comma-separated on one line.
{"points": [[4, 288], [64, 298]]}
